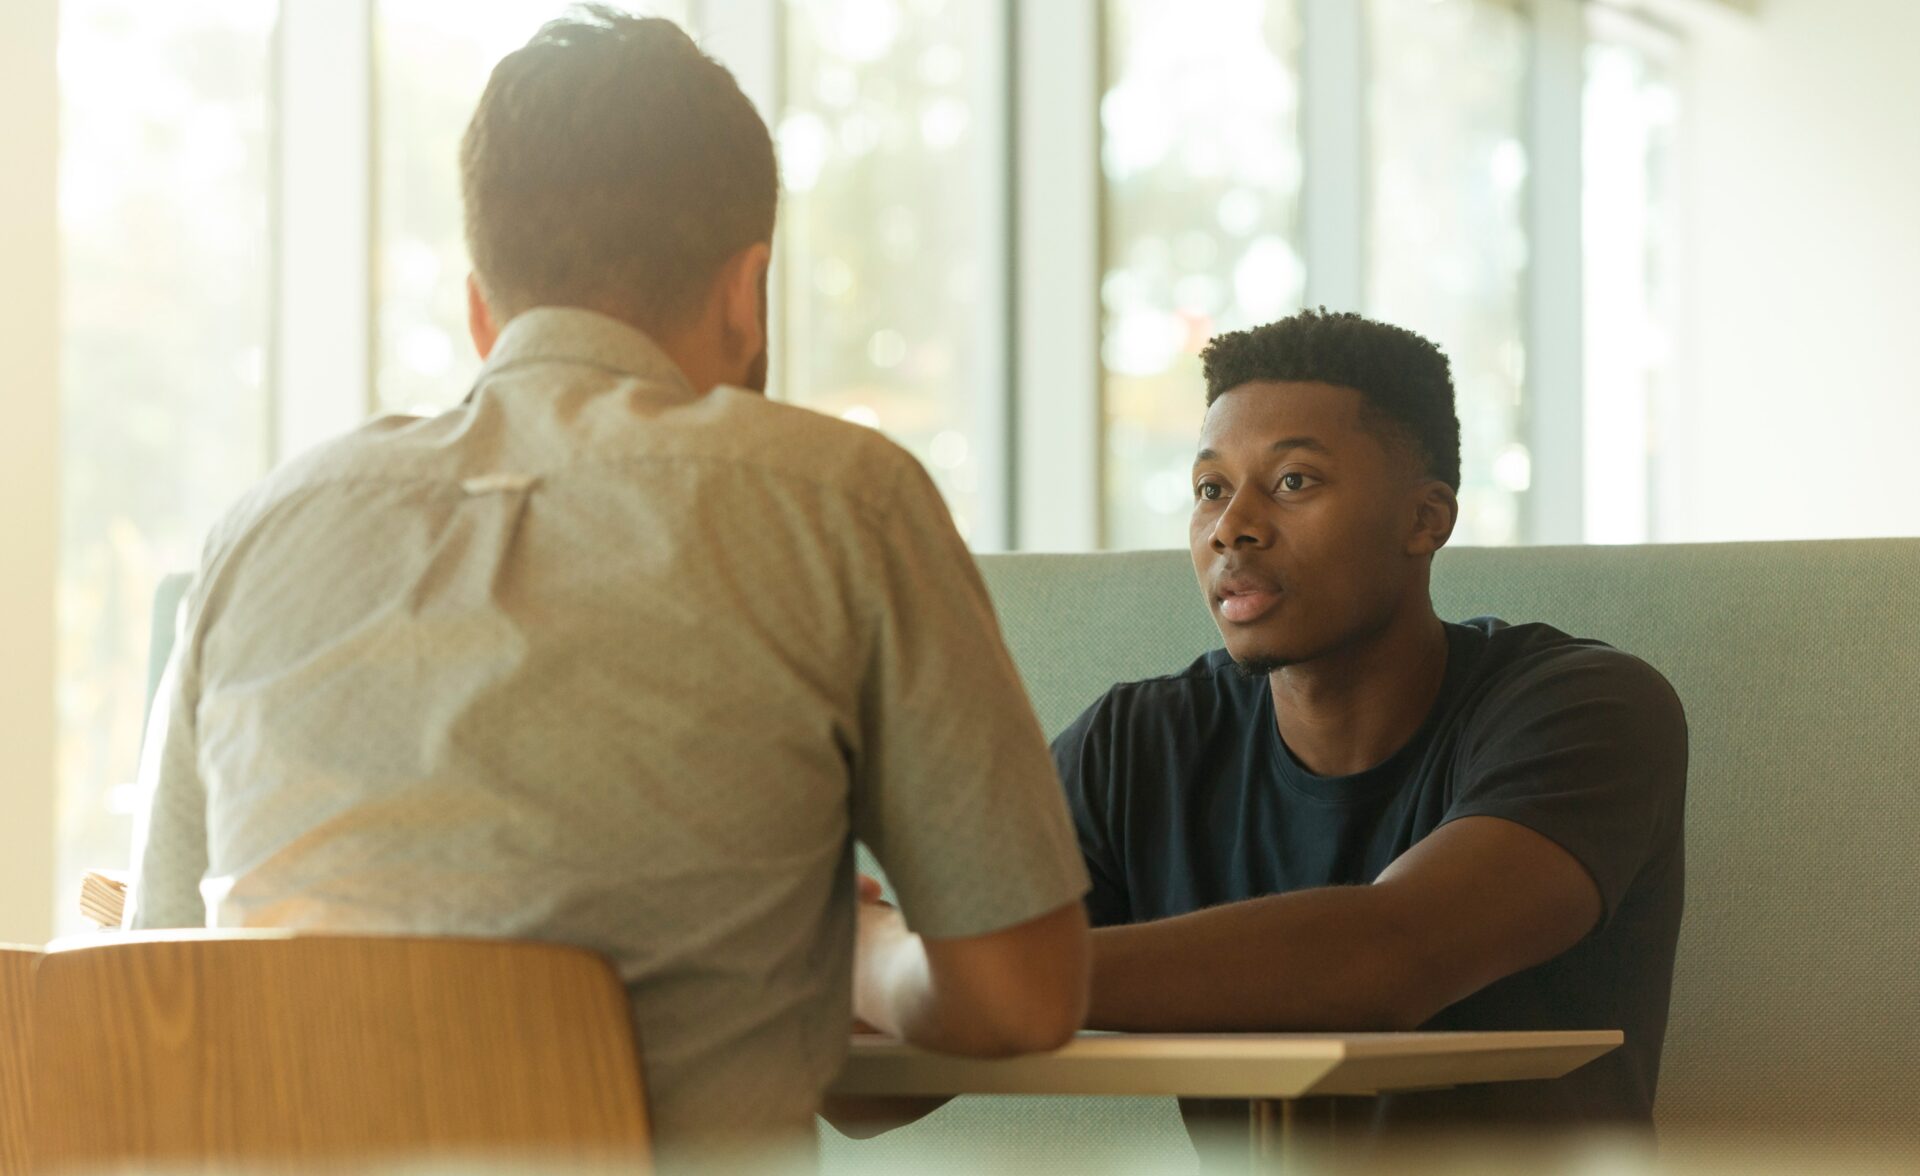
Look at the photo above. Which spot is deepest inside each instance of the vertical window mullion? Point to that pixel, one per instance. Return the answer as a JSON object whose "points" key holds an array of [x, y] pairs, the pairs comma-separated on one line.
{"points": [[323, 207], [1555, 315], [994, 328], [29, 469], [1333, 132], [1056, 248], [747, 36]]}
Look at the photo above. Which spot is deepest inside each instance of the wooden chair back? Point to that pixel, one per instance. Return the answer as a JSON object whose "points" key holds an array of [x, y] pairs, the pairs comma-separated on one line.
{"points": [[251, 1049], [16, 1024]]}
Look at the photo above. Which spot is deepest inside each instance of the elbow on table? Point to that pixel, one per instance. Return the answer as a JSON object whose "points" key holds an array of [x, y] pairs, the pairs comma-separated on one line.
{"points": [[1036, 1022], [1020, 990], [1375, 1004], [1382, 981], [1408, 987], [1054, 1026]]}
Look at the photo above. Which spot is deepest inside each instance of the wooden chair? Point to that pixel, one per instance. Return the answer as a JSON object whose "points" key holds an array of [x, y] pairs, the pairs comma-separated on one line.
{"points": [[250, 1049], [16, 1022]]}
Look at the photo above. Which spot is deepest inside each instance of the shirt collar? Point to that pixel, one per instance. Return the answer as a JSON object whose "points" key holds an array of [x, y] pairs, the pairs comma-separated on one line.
{"points": [[567, 334]]}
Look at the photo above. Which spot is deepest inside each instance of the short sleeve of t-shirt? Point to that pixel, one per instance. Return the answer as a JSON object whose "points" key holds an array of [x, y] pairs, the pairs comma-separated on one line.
{"points": [[955, 793], [1587, 747]]}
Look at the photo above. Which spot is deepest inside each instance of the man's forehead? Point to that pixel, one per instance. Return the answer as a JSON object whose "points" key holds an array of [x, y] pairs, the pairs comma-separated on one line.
{"points": [[1267, 414], [1299, 443]]}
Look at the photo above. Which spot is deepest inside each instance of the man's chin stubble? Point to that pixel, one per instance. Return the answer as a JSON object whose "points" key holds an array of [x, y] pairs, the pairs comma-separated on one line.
{"points": [[1260, 666]]}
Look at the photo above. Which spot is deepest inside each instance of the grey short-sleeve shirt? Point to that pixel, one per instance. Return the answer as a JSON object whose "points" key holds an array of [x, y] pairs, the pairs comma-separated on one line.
{"points": [[595, 659]]}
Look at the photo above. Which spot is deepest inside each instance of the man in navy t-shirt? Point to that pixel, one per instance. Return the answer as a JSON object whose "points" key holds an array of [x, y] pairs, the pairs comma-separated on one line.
{"points": [[1357, 816]]}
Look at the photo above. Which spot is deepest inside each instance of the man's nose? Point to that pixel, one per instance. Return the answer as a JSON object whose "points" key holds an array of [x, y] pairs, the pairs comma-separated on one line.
{"points": [[1242, 524]]}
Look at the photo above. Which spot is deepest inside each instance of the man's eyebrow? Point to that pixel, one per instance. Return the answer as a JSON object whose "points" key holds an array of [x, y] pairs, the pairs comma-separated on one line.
{"points": [[1309, 444]]}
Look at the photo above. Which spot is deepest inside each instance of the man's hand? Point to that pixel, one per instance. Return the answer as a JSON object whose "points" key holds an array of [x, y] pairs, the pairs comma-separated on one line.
{"points": [[880, 939], [865, 1117], [870, 891]]}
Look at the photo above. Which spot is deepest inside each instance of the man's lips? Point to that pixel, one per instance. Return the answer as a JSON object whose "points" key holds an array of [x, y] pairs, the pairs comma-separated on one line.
{"points": [[1243, 600]]}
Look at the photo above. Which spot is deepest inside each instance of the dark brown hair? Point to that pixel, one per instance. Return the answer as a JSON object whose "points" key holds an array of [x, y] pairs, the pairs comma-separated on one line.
{"points": [[613, 165]]}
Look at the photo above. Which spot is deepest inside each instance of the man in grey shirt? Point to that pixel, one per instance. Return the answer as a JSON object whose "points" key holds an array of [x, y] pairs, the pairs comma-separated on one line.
{"points": [[619, 653]]}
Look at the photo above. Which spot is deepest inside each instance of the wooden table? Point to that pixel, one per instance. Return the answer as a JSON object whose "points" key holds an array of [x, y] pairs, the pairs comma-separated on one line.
{"points": [[1277, 1076]]}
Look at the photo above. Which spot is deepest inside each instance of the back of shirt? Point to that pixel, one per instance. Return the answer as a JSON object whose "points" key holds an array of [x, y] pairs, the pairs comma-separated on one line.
{"points": [[1186, 797], [597, 660]]}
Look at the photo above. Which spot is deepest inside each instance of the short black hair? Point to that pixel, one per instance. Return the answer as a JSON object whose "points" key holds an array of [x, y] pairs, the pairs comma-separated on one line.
{"points": [[613, 165], [1403, 377]]}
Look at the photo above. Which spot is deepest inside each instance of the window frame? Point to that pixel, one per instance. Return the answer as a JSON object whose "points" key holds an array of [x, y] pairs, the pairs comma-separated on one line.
{"points": [[1654, 37], [323, 203], [1554, 509], [30, 472]]}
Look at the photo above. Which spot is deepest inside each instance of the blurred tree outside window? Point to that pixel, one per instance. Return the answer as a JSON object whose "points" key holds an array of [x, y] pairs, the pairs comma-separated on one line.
{"points": [[888, 245], [1447, 249], [1200, 154]]}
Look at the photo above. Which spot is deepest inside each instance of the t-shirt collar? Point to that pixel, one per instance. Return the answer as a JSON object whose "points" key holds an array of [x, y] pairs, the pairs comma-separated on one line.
{"points": [[1463, 649]]}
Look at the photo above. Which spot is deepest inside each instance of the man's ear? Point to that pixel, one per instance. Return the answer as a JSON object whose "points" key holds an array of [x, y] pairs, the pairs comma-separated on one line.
{"points": [[1436, 510], [480, 324], [743, 298]]}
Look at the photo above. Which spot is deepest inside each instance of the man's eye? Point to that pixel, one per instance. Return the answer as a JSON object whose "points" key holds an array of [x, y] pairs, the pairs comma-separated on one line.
{"points": [[1209, 491], [1293, 482]]}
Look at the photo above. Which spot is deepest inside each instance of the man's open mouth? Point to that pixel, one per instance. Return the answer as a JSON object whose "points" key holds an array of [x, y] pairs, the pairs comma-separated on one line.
{"points": [[1243, 599]]}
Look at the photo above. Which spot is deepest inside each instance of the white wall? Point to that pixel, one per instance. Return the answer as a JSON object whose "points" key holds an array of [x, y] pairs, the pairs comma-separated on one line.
{"points": [[29, 471], [1801, 249]]}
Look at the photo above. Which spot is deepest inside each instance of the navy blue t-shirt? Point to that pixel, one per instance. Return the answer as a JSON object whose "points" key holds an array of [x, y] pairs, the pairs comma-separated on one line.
{"points": [[1185, 796]]}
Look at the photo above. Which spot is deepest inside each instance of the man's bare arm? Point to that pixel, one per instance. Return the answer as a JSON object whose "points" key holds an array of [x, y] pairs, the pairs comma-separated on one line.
{"points": [[1012, 991], [1017, 990], [1476, 900]]}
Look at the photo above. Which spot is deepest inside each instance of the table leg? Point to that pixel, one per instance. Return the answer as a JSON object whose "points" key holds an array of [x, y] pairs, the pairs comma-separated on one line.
{"points": [[1261, 1136], [1269, 1134], [1293, 1135]]}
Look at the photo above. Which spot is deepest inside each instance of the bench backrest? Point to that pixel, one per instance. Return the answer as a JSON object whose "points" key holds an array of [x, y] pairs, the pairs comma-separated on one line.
{"points": [[1798, 977], [1799, 664]]}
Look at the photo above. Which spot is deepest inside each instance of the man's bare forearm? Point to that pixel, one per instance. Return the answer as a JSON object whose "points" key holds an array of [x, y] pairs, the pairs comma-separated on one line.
{"points": [[901, 1002], [893, 990], [1007, 992], [1478, 899], [1325, 959]]}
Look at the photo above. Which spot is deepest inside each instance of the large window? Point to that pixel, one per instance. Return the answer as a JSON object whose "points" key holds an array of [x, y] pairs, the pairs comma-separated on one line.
{"points": [[164, 405], [1200, 150], [989, 207]]}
